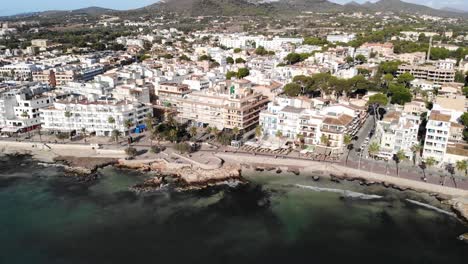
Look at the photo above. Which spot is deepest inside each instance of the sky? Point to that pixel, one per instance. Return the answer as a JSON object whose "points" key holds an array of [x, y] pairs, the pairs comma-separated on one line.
{"points": [[8, 7], [458, 4]]}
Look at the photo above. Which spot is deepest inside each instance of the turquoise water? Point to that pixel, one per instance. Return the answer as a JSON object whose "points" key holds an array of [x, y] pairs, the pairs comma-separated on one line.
{"points": [[48, 218]]}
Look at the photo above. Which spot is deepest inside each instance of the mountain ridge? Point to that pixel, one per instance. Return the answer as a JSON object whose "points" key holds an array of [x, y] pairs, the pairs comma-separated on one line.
{"points": [[262, 7]]}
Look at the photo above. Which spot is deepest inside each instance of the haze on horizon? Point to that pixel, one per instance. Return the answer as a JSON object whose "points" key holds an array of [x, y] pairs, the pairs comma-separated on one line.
{"points": [[25, 6]]}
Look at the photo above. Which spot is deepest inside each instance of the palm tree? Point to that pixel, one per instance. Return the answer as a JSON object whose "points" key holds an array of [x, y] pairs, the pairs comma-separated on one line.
{"points": [[68, 115], [258, 132], [111, 120], [115, 135], [279, 135], [347, 140], [399, 157], [300, 139], [173, 135], [416, 149], [83, 132], [430, 162], [128, 124], [373, 149], [235, 132], [208, 130], [462, 165], [214, 131], [149, 122], [450, 170], [193, 132], [324, 140]]}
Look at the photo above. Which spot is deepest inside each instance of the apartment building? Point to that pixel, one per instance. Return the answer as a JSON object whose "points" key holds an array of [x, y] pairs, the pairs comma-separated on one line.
{"points": [[54, 78], [385, 49], [398, 131], [311, 119], [169, 93], [18, 72], [225, 107], [415, 107], [436, 74], [19, 109], [93, 116], [437, 135]]}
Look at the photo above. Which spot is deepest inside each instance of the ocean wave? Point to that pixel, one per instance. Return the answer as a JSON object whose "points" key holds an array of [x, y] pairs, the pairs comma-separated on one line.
{"points": [[345, 193], [431, 207]]}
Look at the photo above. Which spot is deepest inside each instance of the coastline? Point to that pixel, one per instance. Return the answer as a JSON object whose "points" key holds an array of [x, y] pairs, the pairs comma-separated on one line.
{"points": [[82, 160]]}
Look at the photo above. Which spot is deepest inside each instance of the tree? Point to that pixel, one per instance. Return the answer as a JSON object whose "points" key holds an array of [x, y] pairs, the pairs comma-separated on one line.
{"points": [[399, 157], [235, 132], [464, 119], [361, 58], [68, 115], [390, 67], [462, 165], [261, 51], [374, 149], [376, 101], [149, 122], [240, 60], [128, 124], [300, 138], [204, 57], [229, 60], [430, 161], [387, 78], [214, 131], [208, 130], [405, 79], [242, 72], [237, 50], [258, 132], [172, 135], [131, 151], [115, 135], [400, 94], [193, 131], [292, 89], [347, 140], [349, 59], [230, 74], [111, 120], [292, 58], [325, 140], [184, 57], [279, 135]]}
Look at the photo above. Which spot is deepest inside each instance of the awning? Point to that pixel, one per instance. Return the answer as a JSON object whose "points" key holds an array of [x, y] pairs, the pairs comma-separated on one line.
{"points": [[10, 129]]}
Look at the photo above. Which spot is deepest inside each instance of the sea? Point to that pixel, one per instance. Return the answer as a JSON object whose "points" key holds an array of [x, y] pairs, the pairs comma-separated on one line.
{"points": [[48, 217]]}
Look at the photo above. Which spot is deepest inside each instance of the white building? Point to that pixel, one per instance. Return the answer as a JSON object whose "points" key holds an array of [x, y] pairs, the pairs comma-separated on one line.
{"points": [[19, 109], [93, 116], [345, 38], [398, 131]]}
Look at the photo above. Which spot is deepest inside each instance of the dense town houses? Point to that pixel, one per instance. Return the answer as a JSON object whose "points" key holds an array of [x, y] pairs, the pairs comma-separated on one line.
{"points": [[240, 81]]}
